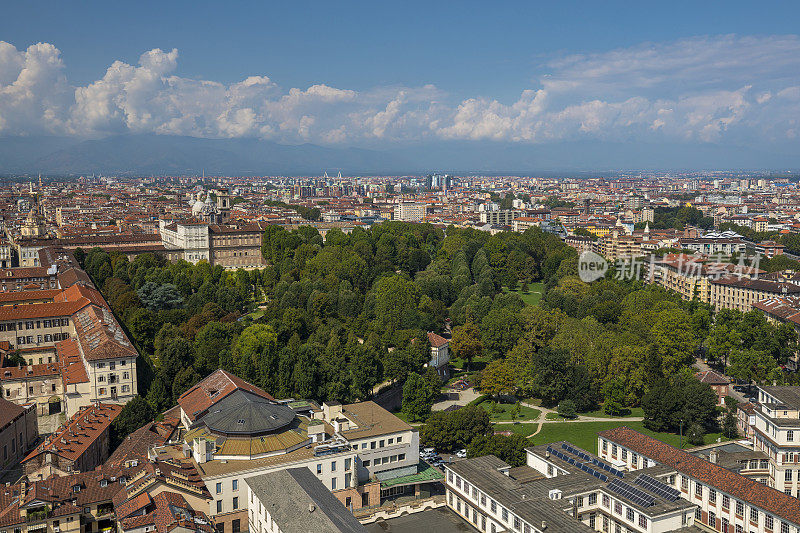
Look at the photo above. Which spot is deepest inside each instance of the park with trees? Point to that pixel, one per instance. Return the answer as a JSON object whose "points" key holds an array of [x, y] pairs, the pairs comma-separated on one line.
{"points": [[335, 318]]}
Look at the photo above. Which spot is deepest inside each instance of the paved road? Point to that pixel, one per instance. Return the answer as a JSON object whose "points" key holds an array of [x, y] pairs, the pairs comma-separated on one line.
{"points": [[461, 398]]}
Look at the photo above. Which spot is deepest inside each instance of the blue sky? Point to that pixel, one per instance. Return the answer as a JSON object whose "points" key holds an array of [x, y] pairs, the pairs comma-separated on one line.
{"points": [[373, 73]]}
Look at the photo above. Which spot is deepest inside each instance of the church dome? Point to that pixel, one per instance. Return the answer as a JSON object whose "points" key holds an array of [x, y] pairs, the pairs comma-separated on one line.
{"points": [[197, 208]]}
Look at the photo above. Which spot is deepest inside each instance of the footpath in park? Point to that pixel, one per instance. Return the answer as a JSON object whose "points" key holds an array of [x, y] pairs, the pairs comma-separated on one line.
{"points": [[462, 398]]}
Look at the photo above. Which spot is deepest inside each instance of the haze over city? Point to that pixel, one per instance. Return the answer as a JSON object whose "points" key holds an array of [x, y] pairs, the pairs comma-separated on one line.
{"points": [[521, 86]]}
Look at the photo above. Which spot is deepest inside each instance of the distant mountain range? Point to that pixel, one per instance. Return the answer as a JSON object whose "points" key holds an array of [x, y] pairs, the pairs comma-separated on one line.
{"points": [[172, 155]]}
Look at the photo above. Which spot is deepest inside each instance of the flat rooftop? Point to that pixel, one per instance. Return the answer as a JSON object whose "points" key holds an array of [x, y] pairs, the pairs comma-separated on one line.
{"points": [[441, 520]]}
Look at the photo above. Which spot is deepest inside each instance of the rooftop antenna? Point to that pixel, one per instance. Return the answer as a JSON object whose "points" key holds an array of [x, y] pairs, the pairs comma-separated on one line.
{"points": [[340, 175]]}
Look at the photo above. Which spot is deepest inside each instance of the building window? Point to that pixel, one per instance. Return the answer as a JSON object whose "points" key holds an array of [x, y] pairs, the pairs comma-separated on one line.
{"points": [[219, 506], [739, 508], [726, 501], [235, 484], [790, 435], [606, 501], [235, 502], [698, 490], [333, 466], [319, 467], [787, 476], [236, 525], [593, 499], [769, 522], [333, 483], [629, 514], [754, 514], [642, 521], [712, 519], [712, 495]]}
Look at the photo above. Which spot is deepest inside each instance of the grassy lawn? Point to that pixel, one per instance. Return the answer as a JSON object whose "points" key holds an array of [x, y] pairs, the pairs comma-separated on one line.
{"points": [[584, 434], [504, 412], [520, 429], [633, 411], [255, 315], [533, 296], [479, 363]]}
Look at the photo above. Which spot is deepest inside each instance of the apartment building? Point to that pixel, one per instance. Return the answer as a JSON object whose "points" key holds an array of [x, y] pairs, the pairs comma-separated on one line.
{"points": [[236, 246], [724, 500], [27, 278], [409, 212], [691, 275], [742, 293], [75, 350], [776, 433], [37, 385], [499, 217], [713, 245], [18, 431], [295, 500], [522, 223], [80, 445]]}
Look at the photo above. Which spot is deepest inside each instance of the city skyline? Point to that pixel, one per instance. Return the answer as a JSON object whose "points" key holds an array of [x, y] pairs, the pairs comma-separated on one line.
{"points": [[484, 81]]}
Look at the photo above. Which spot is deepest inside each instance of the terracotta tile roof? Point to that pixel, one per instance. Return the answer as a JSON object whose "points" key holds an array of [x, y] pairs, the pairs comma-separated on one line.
{"points": [[9, 411], [212, 389], [23, 272], [128, 507], [170, 511], [22, 296], [73, 370], [85, 427], [766, 498], [712, 378], [11, 373], [137, 444], [42, 310], [437, 341], [100, 336]]}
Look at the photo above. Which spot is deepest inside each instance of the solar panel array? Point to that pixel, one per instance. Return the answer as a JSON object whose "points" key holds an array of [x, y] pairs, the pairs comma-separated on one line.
{"points": [[571, 460], [631, 493], [596, 462], [658, 487]]}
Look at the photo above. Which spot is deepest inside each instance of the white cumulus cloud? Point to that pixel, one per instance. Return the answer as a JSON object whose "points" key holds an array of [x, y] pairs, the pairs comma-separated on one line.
{"points": [[709, 89]]}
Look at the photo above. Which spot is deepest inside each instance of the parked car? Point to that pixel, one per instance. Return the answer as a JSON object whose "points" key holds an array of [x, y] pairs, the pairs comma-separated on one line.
{"points": [[462, 453]]}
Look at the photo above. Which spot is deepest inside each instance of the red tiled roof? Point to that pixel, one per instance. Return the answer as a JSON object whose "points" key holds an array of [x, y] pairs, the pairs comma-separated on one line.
{"points": [[100, 336], [22, 296], [712, 378], [437, 341], [69, 359], [212, 389], [9, 411], [88, 424], [767, 498], [11, 373]]}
